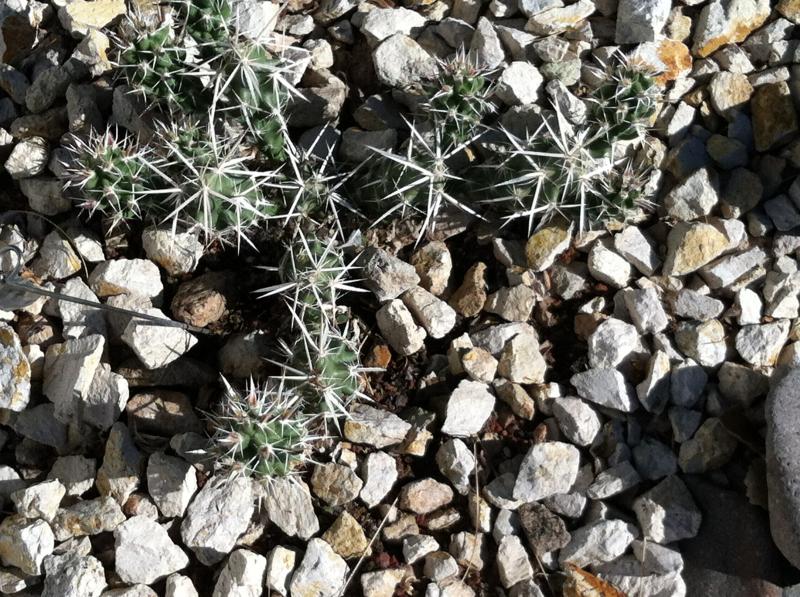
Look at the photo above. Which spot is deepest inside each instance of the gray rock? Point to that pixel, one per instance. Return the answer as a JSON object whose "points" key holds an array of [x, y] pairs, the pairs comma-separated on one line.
{"points": [[144, 553], [281, 562], [694, 197], [69, 370], [533, 7], [380, 23], [687, 382], [358, 145], [711, 447], [654, 460], [321, 572], [485, 49], [700, 307], [15, 371], [646, 311], [684, 422], [548, 468], [468, 409], [436, 316], [760, 345], [288, 505], [521, 360], [654, 391], [218, 515], [638, 249], [578, 421], [641, 20], [119, 475], [667, 512], [598, 542], [178, 253], [519, 84], [126, 276], [456, 462], [614, 480], [609, 267], [76, 473], [704, 342], [375, 427], [154, 344], [512, 304], [73, 575], [729, 269], [243, 574], [606, 387], [171, 482], [57, 259], [513, 564], [379, 473], [783, 465], [569, 105], [80, 320], [612, 343], [25, 543], [40, 500], [28, 158], [416, 547], [399, 61]]}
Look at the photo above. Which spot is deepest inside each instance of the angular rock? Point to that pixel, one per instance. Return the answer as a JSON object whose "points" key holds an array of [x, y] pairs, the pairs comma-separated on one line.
{"points": [[171, 482], [424, 496], [157, 345], [178, 253], [385, 275], [433, 265], [468, 409], [578, 421], [288, 505], [25, 543], [119, 475], [760, 345], [399, 61], [15, 371], [435, 315], [606, 387], [667, 512], [379, 472], [218, 515], [144, 553], [694, 197], [335, 484], [126, 276], [548, 468], [88, 517], [598, 542], [243, 574], [321, 572], [691, 245], [375, 427], [608, 267], [723, 22], [347, 538]]}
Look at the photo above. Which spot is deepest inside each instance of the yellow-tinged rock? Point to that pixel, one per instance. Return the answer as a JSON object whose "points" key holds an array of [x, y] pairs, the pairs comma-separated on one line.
{"points": [[669, 58], [790, 9], [80, 16], [347, 538], [15, 371], [724, 22], [774, 116], [546, 244], [691, 245]]}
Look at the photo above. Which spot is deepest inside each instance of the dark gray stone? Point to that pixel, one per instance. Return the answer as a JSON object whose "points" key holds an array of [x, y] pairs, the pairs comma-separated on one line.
{"points": [[783, 464]]}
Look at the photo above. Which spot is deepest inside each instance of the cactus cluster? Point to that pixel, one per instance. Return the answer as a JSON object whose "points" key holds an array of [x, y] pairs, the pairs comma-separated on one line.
{"points": [[218, 158], [588, 171]]}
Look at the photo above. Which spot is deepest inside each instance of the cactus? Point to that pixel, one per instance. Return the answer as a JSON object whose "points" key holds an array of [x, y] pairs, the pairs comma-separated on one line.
{"points": [[211, 185], [421, 181], [458, 98], [261, 433], [113, 175]]}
